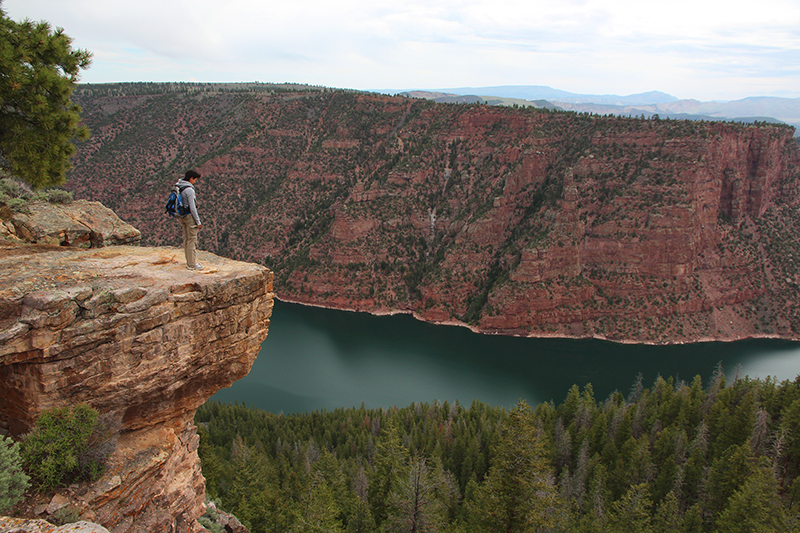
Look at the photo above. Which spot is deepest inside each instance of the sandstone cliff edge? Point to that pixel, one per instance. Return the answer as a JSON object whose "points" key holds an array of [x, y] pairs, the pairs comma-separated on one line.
{"points": [[130, 331]]}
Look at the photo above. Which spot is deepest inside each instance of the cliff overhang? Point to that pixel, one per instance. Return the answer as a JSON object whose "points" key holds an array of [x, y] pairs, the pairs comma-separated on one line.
{"points": [[134, 334]]}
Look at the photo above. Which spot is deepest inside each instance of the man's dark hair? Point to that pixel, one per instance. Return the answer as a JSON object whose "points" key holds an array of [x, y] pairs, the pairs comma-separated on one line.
{"points": [[191, 174]]}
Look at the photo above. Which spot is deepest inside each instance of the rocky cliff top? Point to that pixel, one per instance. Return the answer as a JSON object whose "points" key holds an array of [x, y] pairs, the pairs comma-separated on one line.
{"points": [[134, 334], [58, 304], [80, 223]]}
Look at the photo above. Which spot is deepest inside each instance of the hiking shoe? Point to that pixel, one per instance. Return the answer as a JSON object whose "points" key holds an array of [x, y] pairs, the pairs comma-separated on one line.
{"points": [[196, 266]]}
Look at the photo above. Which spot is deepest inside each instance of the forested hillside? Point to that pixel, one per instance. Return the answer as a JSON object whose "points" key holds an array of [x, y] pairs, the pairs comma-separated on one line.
{"points": [[673, 457], [518, 221]]}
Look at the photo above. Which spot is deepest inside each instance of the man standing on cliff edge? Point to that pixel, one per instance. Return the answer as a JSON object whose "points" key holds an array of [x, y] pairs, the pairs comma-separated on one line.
{"points": [[190, 222]]}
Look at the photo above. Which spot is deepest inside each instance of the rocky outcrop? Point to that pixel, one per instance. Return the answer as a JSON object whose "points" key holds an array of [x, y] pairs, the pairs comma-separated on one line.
{"points": [[78, 223], [225, 521], [23, 525], [513, 221], [131, 332]]}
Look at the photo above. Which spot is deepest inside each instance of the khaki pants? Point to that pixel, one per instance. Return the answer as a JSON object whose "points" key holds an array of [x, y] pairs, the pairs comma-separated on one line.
{"points": [[189, 239]]}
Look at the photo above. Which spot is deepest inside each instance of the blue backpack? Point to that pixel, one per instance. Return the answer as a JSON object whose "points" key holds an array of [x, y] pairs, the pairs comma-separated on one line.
{"points": [[175, 205]]}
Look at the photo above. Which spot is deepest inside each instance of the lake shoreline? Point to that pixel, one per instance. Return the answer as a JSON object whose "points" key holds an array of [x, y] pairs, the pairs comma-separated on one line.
{"points": [[542, 335]]}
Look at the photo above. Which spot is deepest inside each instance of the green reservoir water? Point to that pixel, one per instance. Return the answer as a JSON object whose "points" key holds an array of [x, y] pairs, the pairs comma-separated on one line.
{"points": [[316, 359]]}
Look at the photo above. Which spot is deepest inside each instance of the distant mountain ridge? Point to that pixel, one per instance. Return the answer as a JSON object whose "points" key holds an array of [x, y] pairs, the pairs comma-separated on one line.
{"points": [[542, 92], [750, 109]]}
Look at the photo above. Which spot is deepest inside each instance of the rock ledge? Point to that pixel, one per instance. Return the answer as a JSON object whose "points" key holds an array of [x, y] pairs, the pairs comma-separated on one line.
{"points": [[143, 340]]}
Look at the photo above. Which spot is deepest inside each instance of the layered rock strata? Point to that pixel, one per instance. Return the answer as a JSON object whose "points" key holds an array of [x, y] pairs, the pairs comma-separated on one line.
{"points": [[514, 221], [133, 333], [79, 223]]}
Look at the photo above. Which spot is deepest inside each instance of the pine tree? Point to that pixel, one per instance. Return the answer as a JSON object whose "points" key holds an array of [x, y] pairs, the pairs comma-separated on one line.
{"points": [[632, 512], [318, 511], [254, 496], [755, 507], [416, 506], [518, 494], [361, 520], [391, 462], [330, 471], [726, 475], [790, 463], [13, 481], [668, 515], [38, 121]]}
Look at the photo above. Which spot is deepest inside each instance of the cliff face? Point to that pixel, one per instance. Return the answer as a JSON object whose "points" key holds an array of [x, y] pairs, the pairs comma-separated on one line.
{"points": [[514, 221], [131, 332]]}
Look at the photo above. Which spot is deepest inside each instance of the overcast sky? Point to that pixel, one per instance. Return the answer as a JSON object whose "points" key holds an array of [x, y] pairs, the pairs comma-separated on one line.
{"points": [[702, 49]]}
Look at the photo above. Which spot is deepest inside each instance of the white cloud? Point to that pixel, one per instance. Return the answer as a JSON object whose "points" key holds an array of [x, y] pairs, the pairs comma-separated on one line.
{"points": [[705, 49]]}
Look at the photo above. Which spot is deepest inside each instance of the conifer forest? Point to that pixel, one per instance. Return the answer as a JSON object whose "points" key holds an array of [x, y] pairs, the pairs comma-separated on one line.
{"points": [[674, 457]]}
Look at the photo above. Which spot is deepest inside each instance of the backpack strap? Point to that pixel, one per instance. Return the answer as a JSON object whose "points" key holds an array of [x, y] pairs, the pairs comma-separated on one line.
{"points": [[183, 205], [179, 188]]}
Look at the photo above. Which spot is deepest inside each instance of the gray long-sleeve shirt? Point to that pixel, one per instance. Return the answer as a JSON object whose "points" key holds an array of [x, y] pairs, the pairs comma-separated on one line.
{"points": [[189, 197]]}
